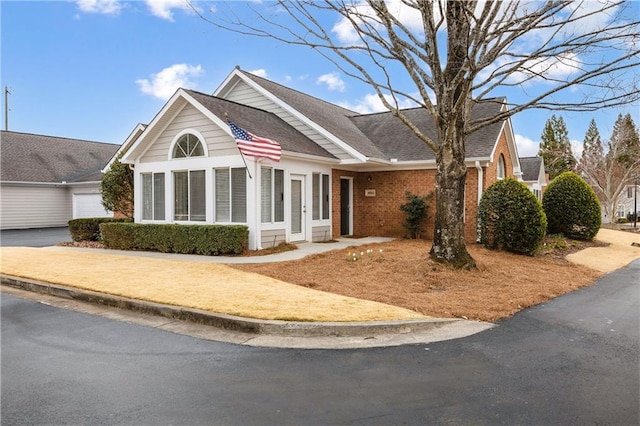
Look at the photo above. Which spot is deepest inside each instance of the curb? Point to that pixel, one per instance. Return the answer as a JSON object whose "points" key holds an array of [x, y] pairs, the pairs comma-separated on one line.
{"points": [[231, 322]]}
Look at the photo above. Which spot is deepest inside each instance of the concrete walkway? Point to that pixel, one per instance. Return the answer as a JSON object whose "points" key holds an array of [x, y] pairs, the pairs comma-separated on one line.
{"points": [[304, 249]]}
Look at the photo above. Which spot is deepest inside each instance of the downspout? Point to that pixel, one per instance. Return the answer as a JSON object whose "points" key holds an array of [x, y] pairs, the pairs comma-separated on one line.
{"points": [[480, 180], [480, 185]]}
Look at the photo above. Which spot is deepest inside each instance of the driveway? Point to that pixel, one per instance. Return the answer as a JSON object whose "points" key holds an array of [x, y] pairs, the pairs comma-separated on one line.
{"points": [[36, 237], [573, 360]]}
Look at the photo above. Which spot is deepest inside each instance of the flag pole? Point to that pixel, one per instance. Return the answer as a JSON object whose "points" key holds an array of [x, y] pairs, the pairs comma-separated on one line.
{"points": [[226, 117]]}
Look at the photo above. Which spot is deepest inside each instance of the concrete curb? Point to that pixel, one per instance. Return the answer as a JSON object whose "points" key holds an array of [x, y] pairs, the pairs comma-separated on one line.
{"points": [[230, 322]]}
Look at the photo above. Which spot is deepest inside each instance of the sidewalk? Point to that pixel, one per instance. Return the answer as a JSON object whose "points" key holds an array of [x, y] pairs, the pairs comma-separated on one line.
{"points": [[304, 249]]}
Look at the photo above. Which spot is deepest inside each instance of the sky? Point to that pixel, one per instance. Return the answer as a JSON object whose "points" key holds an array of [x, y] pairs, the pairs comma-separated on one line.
{"points": [[94, 69]]}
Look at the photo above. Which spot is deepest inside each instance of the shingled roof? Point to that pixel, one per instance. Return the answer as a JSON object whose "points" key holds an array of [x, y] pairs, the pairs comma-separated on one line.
{"points": [[331, 117], [261, 123], [530, 167], [396, 140], [382, 135], [27, 157]]}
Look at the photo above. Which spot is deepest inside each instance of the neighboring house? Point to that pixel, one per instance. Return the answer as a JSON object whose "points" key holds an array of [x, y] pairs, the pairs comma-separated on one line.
{"points": [[628, 204], [341, 173], [533, 175], [45, 181]]}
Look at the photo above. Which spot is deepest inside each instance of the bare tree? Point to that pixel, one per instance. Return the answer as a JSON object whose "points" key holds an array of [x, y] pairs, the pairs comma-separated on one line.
{"points": [[457, 53], [610, 172]]}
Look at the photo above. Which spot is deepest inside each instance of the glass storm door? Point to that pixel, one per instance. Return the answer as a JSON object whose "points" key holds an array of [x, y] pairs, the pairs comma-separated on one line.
{"points": [[298, 209]]}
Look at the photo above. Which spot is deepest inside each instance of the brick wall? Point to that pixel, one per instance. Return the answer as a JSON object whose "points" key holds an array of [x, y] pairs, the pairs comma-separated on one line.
{"points": [[381, 215]]}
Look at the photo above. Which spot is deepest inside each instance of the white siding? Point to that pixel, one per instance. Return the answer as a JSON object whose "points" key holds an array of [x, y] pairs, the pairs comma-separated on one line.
{"points": [[321, 233], [218, 142], [273, 237], [34, 206], [244, 94]]}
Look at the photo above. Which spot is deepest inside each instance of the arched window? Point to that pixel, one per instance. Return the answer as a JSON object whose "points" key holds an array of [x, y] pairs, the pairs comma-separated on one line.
{"points": [[501, 167], [188, 146]]}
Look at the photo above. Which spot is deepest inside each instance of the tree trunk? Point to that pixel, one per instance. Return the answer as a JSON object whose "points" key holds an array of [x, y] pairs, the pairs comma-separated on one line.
{"points": [[448, 239]]}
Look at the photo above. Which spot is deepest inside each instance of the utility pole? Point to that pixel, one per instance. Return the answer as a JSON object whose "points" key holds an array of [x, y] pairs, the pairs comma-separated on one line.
{"points": [[6, 107]]}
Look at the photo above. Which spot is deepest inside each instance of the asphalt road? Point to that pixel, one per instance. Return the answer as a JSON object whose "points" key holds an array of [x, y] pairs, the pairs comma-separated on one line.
{"points": [[37, 237], [573, 360]]}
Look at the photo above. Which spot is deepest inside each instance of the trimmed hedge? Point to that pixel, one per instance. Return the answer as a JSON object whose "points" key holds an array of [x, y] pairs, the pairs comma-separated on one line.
{"points": [[208, 240], [511, 218], [88, 229], [572, 207]]}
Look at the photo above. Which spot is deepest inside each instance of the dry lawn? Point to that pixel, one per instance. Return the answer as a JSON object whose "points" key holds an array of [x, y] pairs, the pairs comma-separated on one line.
{"points": [[207, 286], [402, 275]]}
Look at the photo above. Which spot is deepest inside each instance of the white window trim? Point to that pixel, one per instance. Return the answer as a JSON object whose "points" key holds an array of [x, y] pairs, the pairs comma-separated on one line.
{"points": [[177, 137]]}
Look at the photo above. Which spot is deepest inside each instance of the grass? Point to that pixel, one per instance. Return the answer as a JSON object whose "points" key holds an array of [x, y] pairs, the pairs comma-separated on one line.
{"points": [[207, 286]]}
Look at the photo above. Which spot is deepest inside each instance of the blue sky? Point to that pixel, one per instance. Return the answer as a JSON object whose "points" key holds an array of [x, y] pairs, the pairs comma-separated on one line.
{"points": [[93, 69]]}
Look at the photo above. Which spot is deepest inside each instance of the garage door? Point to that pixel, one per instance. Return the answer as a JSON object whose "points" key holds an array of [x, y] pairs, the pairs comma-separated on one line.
{"points": [[88, 205]]}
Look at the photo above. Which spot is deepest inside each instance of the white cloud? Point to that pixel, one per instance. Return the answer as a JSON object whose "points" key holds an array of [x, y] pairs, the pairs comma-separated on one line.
{"points": [[164, 8], [260, 72], [105, 7], [332, 80], [409, 16], [526, 146], [371, 103], [163, 84]]}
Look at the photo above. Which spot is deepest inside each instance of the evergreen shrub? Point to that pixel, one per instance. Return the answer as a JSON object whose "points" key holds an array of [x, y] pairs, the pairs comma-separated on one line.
{"points": [[572, 207], [208, 240], [510, 218], [88, 228], [416, 213]]}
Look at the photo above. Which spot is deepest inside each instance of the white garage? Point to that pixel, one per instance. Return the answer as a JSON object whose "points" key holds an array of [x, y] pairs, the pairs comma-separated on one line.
{"points": [[89, 205]]}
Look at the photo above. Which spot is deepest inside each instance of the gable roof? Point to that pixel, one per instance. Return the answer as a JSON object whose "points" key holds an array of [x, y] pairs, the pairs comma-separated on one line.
{"points": [[260, 123], [396, 140], [333, 118], [377, 135], [27, 157], [531, 167]]}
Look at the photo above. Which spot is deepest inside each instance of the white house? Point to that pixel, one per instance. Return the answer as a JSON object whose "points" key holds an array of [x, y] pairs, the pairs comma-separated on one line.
{"points": [[341, 173]]}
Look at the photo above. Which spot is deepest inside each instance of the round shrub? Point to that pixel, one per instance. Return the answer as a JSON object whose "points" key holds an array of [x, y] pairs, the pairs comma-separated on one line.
{"points": [[511, 218], [572, 207]]}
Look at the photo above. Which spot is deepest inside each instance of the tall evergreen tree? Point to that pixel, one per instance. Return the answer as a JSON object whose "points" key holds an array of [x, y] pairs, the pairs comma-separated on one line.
{"points": [[555, 147], [592, 144], [625, 136]]}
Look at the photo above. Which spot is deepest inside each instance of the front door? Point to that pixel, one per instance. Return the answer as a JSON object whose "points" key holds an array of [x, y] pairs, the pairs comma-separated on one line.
{"points": [[345, 207], [298, 209]]}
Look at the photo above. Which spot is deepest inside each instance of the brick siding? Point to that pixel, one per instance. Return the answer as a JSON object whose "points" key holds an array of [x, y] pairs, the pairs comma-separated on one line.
{"points": [[381, 215]]}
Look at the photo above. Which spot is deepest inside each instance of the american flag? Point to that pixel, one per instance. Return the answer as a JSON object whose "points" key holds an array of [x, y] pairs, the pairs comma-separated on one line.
{"points": [[255, 146]]}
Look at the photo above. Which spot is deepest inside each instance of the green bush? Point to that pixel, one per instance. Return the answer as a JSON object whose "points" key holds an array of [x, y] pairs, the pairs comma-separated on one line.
{"points": [[511, 218], [184, 239], [415, 211], [572, 207], [88, 229]]}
